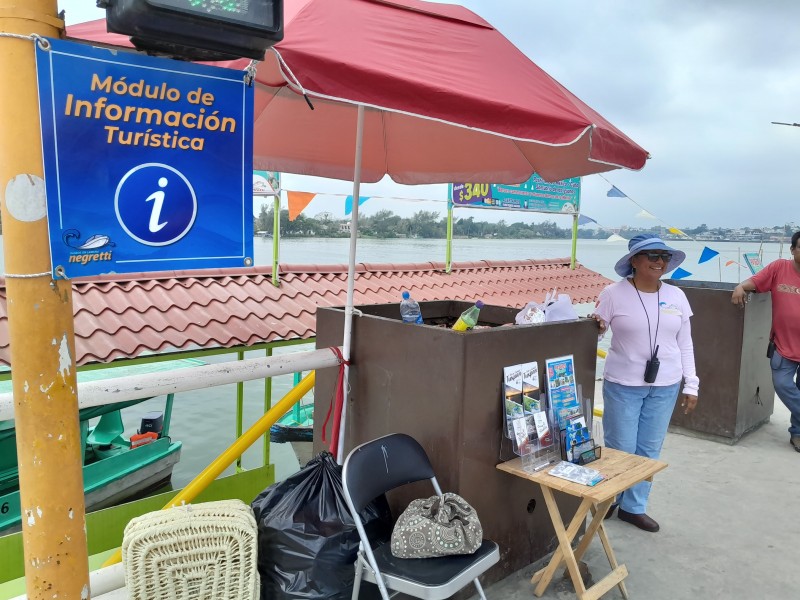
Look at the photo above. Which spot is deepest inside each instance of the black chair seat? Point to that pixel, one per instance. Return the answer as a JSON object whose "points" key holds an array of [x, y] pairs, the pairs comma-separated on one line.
{"points": [[430, 572], [384, 464]]}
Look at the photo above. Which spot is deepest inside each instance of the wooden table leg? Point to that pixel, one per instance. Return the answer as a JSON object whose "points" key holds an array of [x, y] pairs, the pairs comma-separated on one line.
{"points": [[598, 514], [564, 550], [612, 559]]}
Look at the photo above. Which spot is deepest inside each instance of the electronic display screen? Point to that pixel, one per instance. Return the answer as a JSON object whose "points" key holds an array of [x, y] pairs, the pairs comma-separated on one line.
{"points": [[256, 13]]}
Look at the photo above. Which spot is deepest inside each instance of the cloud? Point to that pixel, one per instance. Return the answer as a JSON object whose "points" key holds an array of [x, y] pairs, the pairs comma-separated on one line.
{"points": [[695, 83]]}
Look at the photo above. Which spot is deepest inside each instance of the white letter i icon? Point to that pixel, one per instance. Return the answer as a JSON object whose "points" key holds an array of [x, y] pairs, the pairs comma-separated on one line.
{"points": [[158, 202]]}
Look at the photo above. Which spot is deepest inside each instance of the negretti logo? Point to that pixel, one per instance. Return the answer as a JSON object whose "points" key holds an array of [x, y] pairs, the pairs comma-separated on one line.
{"points": [[166, 128]]}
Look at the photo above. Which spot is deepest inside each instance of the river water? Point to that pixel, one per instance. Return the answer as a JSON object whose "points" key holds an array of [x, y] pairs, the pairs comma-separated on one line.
{"points": [[597, 255], [204, 420]]}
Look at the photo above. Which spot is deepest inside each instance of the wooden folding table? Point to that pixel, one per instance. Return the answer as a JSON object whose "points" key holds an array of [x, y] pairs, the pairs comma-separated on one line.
{"points": [[621, 471]]}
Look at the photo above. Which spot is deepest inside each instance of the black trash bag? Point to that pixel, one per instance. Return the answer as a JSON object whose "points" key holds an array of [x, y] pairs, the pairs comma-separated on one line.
{"points": [[307, 540]]}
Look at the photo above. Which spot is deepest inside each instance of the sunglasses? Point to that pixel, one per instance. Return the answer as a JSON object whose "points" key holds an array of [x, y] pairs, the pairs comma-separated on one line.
{"points": [[656, 256]]}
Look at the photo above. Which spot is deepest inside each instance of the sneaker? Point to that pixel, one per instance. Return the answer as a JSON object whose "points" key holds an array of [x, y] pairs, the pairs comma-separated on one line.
{"points": [[641, 521], [795, 442]]}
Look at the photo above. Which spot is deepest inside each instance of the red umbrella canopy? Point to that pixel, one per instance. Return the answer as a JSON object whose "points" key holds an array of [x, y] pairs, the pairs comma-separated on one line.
{"points": [[447, 96]]}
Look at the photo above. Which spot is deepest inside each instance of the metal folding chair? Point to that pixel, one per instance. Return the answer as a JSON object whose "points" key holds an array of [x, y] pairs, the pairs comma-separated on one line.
{"points": [[381, 465]]}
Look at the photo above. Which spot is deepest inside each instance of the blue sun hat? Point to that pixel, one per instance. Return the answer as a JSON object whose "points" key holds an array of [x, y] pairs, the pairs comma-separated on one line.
{"points": [[643, 242]]}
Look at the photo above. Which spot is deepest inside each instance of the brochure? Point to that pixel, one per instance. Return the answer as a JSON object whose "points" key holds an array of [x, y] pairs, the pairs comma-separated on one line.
{"points": [[528, 420], [576, 433], [530, 387], [562, 390], [512, 396], [576, 473], [521, 436]]}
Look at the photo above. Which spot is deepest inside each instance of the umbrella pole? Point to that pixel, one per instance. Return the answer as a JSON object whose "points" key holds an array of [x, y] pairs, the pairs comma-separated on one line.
{"points": [[351, 270]]}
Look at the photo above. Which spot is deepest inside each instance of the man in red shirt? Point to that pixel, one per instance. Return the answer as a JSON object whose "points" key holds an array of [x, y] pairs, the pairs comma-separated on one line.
{"points": [[782, 278]]}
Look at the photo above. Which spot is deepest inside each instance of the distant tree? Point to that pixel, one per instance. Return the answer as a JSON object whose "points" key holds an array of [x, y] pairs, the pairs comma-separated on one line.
{"points": [[424, 224], [383, 224], [264, 220], [464, 227]]}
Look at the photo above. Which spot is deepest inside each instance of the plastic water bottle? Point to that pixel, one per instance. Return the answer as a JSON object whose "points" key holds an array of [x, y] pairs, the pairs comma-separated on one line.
{"points": [[469, 318], [409, 310]]}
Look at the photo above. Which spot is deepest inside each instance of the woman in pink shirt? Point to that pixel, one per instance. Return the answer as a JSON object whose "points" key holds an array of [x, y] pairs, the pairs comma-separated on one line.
{"points": [[651, 353]]}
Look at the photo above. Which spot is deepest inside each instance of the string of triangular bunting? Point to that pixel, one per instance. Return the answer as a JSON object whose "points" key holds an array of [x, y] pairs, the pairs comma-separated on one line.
{"points": [[298, 201], [707, 253]]}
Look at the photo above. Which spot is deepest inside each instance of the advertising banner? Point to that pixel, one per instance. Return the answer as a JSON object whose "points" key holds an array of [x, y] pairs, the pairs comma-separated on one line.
{"points": [[147, 162], [535, 195], [753, 262], [266, 183]]}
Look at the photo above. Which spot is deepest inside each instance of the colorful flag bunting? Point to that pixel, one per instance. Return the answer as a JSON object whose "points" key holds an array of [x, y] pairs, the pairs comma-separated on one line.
{"points": [[707, 255], [583, 220], [297, 203], [680, 274], [731, 262], [615, 192], [348, 203], [676, 231], [643, 214]]}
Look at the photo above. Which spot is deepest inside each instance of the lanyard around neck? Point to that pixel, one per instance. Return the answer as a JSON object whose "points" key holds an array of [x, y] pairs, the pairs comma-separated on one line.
{"points": [[652, 342]]}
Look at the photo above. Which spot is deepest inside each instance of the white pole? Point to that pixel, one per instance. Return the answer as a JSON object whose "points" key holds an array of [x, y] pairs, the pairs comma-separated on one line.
{"points": [[351, 271], [135, 387], [103, 581]]}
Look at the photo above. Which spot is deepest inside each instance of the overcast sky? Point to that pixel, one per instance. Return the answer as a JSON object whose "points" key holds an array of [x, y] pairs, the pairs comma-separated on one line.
{"points": [[695, 82]]}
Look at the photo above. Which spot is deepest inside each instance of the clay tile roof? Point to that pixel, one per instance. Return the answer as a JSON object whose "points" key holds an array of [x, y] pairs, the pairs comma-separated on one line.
{"points": [[123, 316]]}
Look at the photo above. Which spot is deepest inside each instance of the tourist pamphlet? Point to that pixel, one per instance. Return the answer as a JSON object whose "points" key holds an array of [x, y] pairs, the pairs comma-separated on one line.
{"points": [[512, 386], [562, 390], [576, 473], [576, 436]]}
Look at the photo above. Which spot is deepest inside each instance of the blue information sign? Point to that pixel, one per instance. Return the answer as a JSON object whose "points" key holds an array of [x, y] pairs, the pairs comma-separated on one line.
{"points": [[148, 162], [535, 195]]}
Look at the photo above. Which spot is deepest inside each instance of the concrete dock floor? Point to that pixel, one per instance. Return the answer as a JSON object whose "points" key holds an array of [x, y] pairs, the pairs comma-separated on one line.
{"points": [[729, 516]]}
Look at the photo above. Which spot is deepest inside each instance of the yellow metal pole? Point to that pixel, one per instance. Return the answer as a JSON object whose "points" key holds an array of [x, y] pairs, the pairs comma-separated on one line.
{"points": [[40, 328], [235, 450]]}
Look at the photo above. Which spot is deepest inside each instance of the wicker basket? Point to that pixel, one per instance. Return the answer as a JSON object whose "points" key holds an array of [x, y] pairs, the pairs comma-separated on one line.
{"points": [[194, 552]]}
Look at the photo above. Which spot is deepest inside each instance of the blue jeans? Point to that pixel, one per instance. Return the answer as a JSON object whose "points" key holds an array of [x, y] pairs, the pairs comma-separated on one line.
{"points": [[635, 420], [784, 372]]}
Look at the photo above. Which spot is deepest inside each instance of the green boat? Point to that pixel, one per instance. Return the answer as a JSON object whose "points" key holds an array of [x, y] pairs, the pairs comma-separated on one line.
{"points": [[116, 467], [113, 471]]}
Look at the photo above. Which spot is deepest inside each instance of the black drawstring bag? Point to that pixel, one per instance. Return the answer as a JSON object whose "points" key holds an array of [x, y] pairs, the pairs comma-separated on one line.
{"points": [[307, 541]]}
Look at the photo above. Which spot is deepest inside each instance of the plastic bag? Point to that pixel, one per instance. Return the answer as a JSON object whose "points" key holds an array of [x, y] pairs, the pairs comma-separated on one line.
{"points": [[532, 313], [559, 307], [307, 541]]}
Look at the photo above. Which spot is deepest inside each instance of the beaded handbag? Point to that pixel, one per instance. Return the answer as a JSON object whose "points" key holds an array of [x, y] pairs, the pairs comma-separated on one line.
{"points": [[437, 526]]}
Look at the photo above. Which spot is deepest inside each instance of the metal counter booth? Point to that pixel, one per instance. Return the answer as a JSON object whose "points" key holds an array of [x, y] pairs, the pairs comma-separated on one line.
{"points": [[444, 388], [730, 345]]}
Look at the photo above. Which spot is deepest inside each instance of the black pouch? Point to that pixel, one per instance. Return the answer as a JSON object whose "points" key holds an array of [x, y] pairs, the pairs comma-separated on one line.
{"points": [[770, 349]]}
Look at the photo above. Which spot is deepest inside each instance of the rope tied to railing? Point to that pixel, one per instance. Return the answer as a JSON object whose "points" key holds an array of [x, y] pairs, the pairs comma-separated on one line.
{"points": [[337, 402]]}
